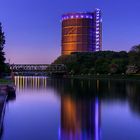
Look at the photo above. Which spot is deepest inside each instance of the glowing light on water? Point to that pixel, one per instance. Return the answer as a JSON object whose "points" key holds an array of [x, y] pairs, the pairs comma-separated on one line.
{"points": [[96, 119]]}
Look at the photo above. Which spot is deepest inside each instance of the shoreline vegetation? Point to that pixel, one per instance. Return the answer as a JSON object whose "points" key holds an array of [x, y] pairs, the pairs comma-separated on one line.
{"points": [[4, 81], [103, 64], [7, 87], [4, 67], [105, 77]]}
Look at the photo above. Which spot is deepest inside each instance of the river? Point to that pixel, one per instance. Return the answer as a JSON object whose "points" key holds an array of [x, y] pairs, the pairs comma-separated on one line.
{"points": [[67, 109]]}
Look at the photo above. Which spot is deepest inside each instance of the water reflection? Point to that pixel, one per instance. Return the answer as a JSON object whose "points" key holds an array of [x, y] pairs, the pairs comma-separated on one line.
{"points": [[82, 103], [104, 89], [133, 89], [30, 82], [80, 119]]}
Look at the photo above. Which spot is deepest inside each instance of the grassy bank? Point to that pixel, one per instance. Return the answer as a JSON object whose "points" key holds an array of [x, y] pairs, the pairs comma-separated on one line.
{"points": [[104, 76], [5, 81]]}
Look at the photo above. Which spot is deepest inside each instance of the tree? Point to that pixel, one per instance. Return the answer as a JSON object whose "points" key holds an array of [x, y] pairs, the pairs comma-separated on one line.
{"points": [[102, 65], [113, 68], [2, 43], [134, 56], [102, 62], [121, 64]]}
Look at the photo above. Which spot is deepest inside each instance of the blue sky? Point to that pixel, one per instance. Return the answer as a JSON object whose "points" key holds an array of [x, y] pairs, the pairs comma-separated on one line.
{"points": [[33, 27]]}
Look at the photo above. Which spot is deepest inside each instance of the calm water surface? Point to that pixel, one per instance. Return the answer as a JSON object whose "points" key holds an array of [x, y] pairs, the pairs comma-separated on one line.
{"points": [[62, 109]]}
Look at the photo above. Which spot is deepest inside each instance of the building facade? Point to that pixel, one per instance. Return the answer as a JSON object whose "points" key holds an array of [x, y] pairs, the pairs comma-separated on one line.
{"points": [[81, 32]]}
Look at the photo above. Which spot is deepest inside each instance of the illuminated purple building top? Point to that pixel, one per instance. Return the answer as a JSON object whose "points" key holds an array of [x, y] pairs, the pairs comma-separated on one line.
{"points": [[77, 15]]}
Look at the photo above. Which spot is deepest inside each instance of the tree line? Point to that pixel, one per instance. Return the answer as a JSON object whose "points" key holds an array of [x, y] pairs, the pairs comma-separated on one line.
{"points": [[4, 68], [102, 62]]}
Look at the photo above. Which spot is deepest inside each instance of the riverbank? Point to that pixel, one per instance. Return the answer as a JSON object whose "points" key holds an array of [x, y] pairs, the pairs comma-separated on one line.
{"points": [[5, 81], [105, 76], [3, 99], [7, 91], [7, 86]]}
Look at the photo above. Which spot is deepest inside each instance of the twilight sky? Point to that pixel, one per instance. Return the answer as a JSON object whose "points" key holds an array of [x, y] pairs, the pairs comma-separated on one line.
{"points": [[33, 27]]}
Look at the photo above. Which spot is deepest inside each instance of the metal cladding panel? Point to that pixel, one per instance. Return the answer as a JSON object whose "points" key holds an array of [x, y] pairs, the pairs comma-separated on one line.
{"points": [[78, 33]]}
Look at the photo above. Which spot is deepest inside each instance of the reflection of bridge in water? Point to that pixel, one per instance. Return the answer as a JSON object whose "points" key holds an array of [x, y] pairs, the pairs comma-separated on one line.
{"points": [[38, 69], [30, 82]]}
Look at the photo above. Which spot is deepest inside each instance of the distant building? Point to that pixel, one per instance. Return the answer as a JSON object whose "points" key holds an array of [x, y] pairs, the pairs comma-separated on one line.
{"points": [[81, 32]]}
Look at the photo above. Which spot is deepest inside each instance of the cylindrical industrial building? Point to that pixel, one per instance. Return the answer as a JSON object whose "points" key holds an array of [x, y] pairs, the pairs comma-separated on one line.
{"points": [[81, 32]]}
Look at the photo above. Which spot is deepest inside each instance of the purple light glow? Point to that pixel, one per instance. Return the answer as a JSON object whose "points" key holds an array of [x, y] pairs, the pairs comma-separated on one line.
{"points": [[59, 133], [97, 10], [77, 16], [72, 16], [91, 17], [96, 119]]}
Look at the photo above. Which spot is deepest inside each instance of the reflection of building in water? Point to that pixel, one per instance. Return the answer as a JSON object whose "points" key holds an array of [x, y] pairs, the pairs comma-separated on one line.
{"points": [[33, 82], [80, 119], [133, 96]]}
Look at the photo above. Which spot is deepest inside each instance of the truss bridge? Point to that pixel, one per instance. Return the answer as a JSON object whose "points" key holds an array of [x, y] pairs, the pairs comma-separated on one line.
{"points": [[38, 69]]}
